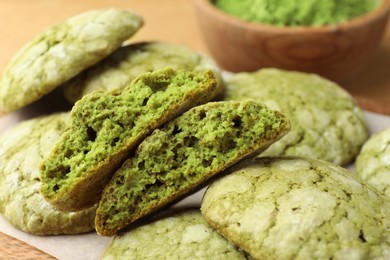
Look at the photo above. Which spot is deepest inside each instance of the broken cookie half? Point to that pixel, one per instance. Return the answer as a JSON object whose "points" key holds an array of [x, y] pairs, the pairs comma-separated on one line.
{"points": [[187, 151], [107, 126]]}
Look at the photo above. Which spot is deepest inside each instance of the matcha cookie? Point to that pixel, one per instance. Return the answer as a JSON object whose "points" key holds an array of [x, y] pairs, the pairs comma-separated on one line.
{"points": [[179, 157], [373, 163], [107, 126], [297, 208], [178, 235], [129, 61], [21, 151], [326, 122], [63, 51]]}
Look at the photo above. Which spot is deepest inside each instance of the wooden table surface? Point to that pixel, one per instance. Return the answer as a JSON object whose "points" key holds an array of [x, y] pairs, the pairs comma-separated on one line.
{"points": [[171, 21]]}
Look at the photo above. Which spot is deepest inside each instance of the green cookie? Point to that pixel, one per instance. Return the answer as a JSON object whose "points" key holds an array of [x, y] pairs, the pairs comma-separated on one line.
{"points": [[61, 52], [107, 126], [21, 151], [326, 122], [373, 163], [185, 153], [125, 64], [297, 208], [174, 235]]}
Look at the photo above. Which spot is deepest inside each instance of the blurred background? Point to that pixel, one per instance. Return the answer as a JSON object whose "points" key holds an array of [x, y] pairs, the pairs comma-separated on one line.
{"points": [[165, 20]]}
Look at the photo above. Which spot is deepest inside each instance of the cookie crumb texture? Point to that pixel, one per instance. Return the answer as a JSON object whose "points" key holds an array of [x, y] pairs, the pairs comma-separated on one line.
{"points": [[61, 52], [373, 163], [179, 157], [295, 208], [326, 123], [126, 63], [106, 126], [183, 235], [21, 151]]}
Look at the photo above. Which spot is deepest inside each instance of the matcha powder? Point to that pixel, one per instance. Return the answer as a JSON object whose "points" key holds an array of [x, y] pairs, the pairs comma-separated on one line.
{"points": [[296, 12]]}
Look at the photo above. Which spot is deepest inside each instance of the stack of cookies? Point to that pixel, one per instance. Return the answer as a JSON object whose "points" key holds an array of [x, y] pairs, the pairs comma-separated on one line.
{"points": [[151, 122]]}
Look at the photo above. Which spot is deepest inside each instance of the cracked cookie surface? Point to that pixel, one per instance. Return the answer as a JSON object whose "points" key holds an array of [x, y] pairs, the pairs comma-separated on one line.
{"points": [[175, 235], [126, 63], [21, 151], [61, 52], [297, 208], [373, 162], [326, 122]]}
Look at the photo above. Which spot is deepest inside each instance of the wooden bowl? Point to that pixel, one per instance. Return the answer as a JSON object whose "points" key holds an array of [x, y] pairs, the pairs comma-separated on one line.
{"points": [[334, 51]]}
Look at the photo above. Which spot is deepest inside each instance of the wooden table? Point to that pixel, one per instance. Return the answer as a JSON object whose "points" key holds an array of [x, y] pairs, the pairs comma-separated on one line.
{"points": [[171, 21]]}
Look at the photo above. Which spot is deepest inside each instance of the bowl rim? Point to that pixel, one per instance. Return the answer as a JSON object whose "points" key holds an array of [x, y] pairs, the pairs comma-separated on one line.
{"points": [[382, 10]]}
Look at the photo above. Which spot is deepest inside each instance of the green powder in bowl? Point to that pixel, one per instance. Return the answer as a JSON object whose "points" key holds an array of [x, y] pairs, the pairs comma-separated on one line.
{"points": [[297, 13]]}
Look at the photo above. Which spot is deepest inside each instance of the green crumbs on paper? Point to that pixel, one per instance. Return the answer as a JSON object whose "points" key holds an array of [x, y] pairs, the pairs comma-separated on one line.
{"points": [[297, 13]]}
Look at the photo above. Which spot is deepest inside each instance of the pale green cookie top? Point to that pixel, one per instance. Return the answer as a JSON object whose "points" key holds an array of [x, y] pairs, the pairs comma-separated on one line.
{"points": [[61, 52], [373, 162], [21, 151], [296, 208], [129, 61], [183, 235], [326, 122]]}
